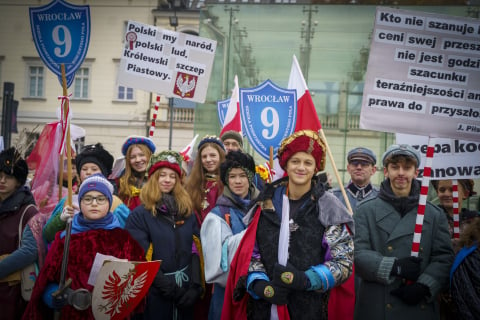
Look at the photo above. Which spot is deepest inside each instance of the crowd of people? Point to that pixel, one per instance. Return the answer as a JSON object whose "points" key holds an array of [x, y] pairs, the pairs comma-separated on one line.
{"points": [[235, 246]]}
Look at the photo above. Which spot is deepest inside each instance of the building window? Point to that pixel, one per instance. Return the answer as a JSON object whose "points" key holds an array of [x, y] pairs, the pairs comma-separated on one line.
{"points": [[80, 84], [125, 94], [35, 81]]}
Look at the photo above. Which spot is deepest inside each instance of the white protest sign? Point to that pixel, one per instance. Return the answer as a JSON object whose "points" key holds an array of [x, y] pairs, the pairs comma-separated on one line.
{"points": [[452, 158], [166, 62], [423, 75]]}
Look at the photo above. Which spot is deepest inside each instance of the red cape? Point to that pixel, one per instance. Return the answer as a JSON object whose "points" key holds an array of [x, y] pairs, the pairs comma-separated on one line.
{"points": [[83, 248], [341, 302], [239, 267]]}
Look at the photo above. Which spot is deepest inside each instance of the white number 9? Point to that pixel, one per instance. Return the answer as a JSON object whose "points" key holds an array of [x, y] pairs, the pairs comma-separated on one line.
{"points": [[273, 123], [65, 41]]}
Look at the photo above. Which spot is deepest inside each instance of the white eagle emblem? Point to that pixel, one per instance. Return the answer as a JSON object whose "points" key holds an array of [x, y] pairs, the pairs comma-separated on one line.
{"points": [[117, 292], [185, 86]]}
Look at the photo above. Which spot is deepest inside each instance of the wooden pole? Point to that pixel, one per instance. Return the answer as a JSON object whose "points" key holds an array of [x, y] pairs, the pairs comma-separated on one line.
{"points": [[340, 183], [68, 148], [271, 158]]}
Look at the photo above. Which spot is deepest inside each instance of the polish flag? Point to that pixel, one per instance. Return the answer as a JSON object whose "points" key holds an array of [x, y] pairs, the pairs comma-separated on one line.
{"points": [[307, 117], [187, 152], [232, 117]]}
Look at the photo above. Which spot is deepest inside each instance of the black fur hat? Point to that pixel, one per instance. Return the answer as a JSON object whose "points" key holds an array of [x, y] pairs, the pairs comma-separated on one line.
{"points": [[12, 163], [95, 153], [237, 159]]}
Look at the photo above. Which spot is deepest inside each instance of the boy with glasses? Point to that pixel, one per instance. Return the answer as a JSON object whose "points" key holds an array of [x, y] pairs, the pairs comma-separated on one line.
{"points": [[361, 167]]}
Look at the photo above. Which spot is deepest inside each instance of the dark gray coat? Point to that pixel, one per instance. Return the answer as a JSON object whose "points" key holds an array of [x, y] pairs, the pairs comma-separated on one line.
{"points": [[381, 235]]}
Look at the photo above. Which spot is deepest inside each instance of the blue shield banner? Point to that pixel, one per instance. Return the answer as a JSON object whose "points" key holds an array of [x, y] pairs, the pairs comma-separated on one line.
{"points": [[222, 107], [269, 114], [61, 32]]}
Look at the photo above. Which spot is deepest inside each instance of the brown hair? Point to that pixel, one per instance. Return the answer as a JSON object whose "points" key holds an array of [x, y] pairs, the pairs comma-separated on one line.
{"points": [[197, 178], [401, 159], [150, 195], [471, 233], [128, 178], [466, 184]]}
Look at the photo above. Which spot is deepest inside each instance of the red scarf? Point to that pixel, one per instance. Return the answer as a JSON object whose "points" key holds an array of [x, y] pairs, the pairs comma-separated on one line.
{"points": [[239, 267]]}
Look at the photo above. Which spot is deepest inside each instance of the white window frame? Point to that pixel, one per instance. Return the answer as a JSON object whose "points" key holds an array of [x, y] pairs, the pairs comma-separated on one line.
{"points": [[126, 92], [82, 78], [39, 93], [117, 87]]}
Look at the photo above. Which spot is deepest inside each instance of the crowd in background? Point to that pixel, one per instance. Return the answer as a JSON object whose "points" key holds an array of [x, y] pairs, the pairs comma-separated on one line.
{"points": [[235, 243]]}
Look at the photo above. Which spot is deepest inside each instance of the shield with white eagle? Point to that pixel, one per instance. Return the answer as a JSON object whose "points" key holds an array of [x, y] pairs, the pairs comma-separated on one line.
{"points": [[120, 286]]}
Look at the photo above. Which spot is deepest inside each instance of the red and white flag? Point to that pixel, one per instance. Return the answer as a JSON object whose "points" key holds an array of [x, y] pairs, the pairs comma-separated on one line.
{"points": [[307, 117], [187, 152], [232, 117]]}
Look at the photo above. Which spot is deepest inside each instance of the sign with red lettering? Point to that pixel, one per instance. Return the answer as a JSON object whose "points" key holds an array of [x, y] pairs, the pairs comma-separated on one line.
{"points": [[166, 62], [423, 75]]}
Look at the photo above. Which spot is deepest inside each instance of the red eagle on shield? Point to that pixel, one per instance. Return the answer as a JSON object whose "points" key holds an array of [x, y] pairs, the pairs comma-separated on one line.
{"points": [[185, 85], [121, 286]]}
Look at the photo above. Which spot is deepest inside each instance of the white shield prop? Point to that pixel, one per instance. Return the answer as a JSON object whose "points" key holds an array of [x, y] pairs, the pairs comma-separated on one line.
{"points": [[120, 286]]}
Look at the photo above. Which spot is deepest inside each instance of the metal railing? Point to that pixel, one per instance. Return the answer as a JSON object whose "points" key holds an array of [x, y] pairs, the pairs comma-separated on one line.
{"points": [[332, 121]]}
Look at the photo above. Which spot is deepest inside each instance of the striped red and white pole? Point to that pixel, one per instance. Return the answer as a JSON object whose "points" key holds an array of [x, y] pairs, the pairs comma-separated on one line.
{"points": [[456, 213], [154, 117], [427, 172]]}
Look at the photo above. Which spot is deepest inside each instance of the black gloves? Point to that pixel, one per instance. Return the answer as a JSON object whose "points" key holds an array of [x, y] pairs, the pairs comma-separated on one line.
{"points": [[167, 286], [289, 277], [189, 298], [411, 294], [407, 268], [194, 292], [61, 300], [266, 290]]}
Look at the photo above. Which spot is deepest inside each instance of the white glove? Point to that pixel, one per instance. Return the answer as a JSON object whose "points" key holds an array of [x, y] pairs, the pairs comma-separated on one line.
{"points": [[67, 213]]}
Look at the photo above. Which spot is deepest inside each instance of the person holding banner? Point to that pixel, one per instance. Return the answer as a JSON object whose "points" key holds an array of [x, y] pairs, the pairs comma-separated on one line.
{"points": [[444, 189], [298, 244], [223, 228], [465, 275], [204, 185], [445, 197], [94, 230], [137, 151], [92, 160], [17, 210], [396, 285], [165, 226]]}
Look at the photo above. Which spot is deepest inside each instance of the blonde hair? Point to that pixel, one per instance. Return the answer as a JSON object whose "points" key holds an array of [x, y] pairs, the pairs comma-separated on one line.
{"points": [[128, 178], [197, 178], [150, 195]]}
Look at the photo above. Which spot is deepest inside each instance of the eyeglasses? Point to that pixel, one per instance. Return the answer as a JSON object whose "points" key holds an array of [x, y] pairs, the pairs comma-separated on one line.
{"points": [[360, 162], [99, 199]]}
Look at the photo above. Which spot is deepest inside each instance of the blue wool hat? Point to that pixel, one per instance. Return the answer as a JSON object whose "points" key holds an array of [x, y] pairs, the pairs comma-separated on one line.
{"points": [[211, 139], [137, 140], [401, 150], [96, 182]]}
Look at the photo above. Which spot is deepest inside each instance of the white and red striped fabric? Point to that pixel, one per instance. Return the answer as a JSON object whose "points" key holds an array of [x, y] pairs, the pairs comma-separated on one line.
{"points": [[456, 211], [427, 172], [154, 117], [307, 117], [232, 121]]}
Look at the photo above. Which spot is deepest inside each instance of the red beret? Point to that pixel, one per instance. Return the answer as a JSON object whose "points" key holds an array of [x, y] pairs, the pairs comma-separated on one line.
{"points": [[303, 141]]}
